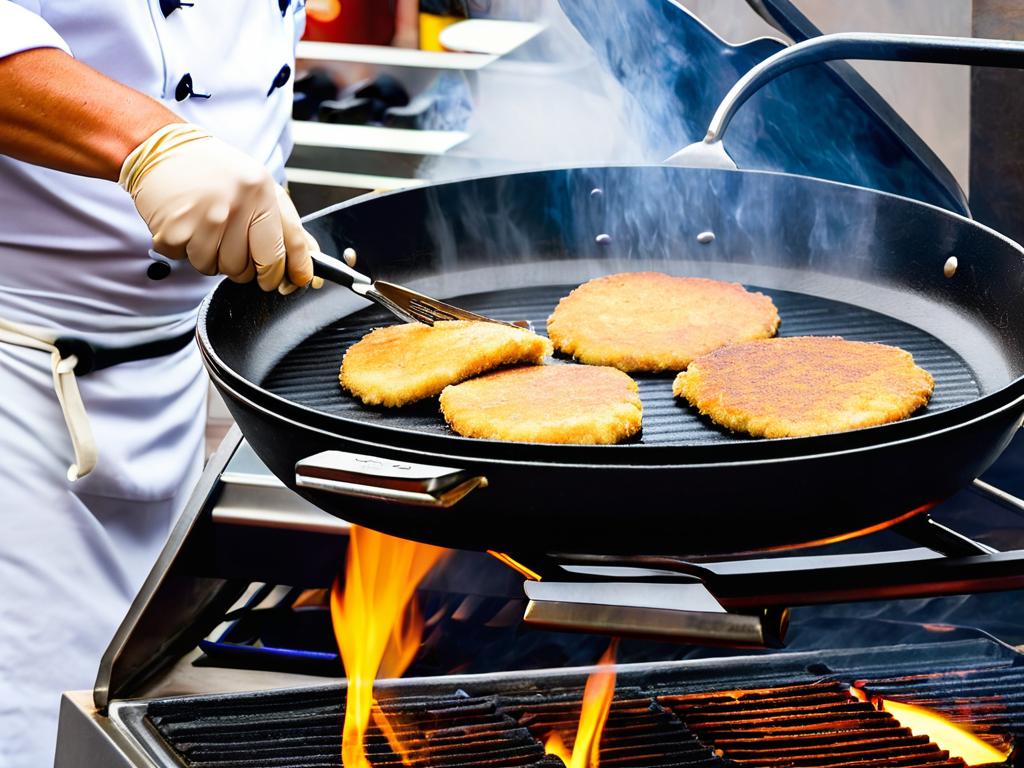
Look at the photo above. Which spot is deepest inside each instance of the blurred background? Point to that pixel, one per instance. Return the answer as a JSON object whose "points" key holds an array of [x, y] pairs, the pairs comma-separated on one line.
{"points": [[386, 97]]}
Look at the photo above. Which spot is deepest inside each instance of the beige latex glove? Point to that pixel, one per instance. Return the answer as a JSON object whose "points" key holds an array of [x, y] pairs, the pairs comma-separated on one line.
{"points": [[207, 202]]}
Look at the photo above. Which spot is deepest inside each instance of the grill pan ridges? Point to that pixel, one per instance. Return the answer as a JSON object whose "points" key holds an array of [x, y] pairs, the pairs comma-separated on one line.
{"points": [[308, 375]]}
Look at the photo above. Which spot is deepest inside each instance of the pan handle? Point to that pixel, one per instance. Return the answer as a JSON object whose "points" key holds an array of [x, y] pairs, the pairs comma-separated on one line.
{"points": [[845, 45], [378, 479]]}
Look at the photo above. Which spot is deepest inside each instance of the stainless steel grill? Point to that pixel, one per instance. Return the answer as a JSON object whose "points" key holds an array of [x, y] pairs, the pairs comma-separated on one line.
{"points": [[243, 529]]}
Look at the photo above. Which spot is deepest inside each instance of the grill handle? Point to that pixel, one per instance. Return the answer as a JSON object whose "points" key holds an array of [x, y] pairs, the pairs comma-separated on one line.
{"points": [[379, 479], [709, 152]]}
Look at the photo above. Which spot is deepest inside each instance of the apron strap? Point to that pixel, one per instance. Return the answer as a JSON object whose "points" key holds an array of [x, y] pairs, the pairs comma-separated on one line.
{"points": [[66, 387]]}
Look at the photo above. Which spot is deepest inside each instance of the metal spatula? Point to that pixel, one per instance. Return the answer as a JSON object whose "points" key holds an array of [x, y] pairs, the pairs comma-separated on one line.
{"points": [[405, 304]]}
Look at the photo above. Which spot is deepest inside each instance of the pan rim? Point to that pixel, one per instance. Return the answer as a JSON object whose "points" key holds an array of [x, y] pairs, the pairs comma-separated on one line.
{"points": [[526, 463], [776, 449], [779, 448]]}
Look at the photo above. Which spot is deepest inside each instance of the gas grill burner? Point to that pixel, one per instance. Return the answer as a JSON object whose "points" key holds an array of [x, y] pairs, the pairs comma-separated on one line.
{"points": [[774, 711]]}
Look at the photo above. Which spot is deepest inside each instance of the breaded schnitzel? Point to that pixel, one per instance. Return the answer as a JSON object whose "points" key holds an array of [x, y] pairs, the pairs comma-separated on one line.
{"points": [[804, 385], [400, 364], [546, 404], [648, 321]]}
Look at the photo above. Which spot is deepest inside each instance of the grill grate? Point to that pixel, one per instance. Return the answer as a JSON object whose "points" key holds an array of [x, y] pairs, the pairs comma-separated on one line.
{"points": [[799, 722], [308, 375], [990, 700], [638, 732], [453, 731], [816, 724]]}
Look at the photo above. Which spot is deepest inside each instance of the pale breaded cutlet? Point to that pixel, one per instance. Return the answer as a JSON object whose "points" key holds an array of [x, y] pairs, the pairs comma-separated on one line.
{"points": [[649, 321], [804, 385], [576, 404], [401, 364]]}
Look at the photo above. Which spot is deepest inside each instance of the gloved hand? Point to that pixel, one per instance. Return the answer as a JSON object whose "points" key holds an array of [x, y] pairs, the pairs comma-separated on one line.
{"points": [[208, 202]]}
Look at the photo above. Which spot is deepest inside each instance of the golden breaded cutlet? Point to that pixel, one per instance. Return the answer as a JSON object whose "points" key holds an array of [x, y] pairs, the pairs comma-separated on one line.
{"points": [[401, 364], [576, 404], [648, 321], [804, 385]]}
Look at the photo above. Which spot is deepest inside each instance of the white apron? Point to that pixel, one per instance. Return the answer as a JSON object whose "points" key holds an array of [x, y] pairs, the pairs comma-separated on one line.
{"points": [[74, 259], [73, 554]]}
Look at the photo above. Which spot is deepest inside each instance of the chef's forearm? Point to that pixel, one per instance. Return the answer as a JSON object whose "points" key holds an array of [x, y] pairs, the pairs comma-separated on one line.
{"points": [[62, 114]]}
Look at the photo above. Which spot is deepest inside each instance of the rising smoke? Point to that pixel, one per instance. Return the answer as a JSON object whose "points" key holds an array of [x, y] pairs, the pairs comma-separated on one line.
{"points": [[550, 103]]}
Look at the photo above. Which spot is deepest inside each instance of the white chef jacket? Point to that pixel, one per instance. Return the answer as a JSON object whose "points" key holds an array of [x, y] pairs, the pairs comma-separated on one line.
{"points": [[73, 250], [74, 257]]}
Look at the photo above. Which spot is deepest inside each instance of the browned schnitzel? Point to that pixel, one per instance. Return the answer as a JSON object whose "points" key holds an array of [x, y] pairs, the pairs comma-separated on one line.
{"points": [[648, 321], [400, 364], [804, 385], [546, 404]]}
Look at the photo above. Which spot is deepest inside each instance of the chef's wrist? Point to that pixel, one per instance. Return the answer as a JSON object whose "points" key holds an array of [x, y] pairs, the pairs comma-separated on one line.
{"points": [[157, 147], [120, 144]]}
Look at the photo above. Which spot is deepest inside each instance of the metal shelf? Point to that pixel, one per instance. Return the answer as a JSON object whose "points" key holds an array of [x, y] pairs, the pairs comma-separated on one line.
{"points": [[387, 56], [371, 139], [498, 37], [340, 179]]}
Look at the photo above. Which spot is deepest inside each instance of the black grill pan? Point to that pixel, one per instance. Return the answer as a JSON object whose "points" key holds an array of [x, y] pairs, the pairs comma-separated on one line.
{"points": [[308, 375], [836, 259]]}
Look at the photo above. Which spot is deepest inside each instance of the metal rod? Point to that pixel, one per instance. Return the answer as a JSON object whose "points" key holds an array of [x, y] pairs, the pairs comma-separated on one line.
{"points": [[937, 537], [999, 495], [864, 46], [657, 562], [924, 576]]}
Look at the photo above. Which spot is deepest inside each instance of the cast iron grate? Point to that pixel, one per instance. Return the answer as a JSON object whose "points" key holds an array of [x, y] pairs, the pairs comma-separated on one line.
{"points": [[271, 729], [803, 724], [639, 732], [797, 723], [309, 374], [990, 700]]}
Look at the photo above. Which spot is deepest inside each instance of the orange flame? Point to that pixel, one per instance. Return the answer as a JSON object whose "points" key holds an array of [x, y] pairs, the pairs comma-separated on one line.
{"points": [[948, 736], [515, 565], [377, 626], [597, 703], [555, 746]]}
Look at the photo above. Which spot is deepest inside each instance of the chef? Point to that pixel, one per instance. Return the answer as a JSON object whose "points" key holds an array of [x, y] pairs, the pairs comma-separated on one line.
{"points": [[142, 146]]}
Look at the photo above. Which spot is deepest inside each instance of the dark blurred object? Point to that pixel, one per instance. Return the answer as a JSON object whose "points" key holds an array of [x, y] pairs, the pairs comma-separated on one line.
{"points": [[416, 114], [368, 22], [445, 7], [446, 105], [997, 143], [311, 91], [383, 88], [365, 103], [349, 111]]}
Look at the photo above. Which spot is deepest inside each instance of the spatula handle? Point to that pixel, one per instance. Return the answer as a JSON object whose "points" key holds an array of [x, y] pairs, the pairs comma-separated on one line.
{"points": [[336, 271]]}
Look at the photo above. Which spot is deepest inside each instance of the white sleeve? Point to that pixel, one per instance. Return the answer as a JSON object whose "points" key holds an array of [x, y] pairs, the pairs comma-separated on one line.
{"points": [[21, 30]]}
